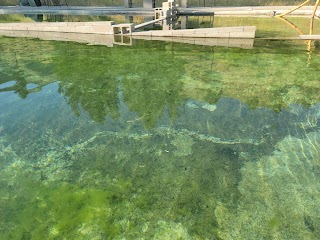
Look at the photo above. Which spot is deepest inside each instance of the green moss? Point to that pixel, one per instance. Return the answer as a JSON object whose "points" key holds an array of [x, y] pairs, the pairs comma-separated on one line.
{"points": [[274, 222], [59, 210]]}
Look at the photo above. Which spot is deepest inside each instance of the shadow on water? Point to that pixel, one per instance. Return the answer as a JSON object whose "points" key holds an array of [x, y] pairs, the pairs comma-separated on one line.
{"points": [[159, 140]]}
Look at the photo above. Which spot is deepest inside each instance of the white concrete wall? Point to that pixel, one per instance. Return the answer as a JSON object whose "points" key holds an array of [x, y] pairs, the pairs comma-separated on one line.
{"points": [[107, 28], [66, 27], [225, 32]]}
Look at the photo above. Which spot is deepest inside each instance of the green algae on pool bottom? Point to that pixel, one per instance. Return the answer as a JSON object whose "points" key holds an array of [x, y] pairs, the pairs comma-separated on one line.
{"points": [[220, 144], [114, 192], [131, 188], [279, 194]]}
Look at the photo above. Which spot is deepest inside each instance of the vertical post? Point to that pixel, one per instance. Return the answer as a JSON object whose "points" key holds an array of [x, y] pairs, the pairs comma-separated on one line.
{"points": [[149, 3], [184, 22], [127, 3], [184, 3], [129, 19], [32, 3], [315, 8], [312, 17]]}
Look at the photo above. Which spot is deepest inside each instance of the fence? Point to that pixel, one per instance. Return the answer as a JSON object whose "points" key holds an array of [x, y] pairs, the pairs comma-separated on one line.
{"points": [[191, 3]]}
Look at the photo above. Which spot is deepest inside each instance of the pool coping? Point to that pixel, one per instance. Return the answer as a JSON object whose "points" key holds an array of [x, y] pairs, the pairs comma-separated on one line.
{"points": [[119, 10]]}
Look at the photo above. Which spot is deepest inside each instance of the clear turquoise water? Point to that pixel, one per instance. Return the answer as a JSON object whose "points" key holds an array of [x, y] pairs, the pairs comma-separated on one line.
{"points": [[159, 141]]}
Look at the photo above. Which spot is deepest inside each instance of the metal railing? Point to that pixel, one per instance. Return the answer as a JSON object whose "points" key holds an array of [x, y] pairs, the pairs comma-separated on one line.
{"points": [[50, 3]]}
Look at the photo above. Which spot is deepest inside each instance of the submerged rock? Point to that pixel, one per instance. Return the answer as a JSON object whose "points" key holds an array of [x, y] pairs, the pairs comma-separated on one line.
{"points": [[279, 194], [183, 143]]}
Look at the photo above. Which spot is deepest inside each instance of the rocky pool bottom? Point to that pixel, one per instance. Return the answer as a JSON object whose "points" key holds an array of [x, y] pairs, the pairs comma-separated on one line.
{"points": [[118, 181]]}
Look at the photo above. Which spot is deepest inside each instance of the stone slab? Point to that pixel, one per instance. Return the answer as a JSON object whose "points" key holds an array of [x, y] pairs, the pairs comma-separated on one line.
{"points": [[94, 39], [230, 29], [310, 37], [242, 34], [108, 29], [109, 40]]}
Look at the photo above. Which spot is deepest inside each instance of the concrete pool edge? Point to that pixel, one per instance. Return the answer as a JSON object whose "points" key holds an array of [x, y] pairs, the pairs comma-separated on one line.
{"points": [[224, 11]]}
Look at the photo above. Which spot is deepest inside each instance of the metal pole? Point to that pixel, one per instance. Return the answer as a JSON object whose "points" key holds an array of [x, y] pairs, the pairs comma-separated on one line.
{"points": [[290, 11]]}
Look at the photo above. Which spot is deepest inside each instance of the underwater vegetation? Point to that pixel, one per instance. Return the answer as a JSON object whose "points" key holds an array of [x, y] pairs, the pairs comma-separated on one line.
{"points": [[161, 186], [176, 180], [139, 186], [173, 142], [279, 194]]}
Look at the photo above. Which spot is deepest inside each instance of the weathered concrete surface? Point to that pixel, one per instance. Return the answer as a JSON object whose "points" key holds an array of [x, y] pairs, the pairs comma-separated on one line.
{"points": [[94, 39], [246, 43], [110, 40], [68, 10], [66, 27], [310, 37], [109, 28], [225, 32]]}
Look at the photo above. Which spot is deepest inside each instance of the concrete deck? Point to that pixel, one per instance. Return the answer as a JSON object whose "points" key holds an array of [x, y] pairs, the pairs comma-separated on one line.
{"points": [[64, 27], [109, 28], [224, 32], [234, 11], [111, 40], [310, 37]]}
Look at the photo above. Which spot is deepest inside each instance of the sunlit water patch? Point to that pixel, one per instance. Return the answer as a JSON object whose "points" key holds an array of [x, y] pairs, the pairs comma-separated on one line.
{"points": [[7, 85], [159, 141]]}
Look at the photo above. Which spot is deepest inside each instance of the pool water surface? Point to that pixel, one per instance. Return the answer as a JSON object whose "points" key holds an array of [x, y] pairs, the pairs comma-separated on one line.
{"points": [[159, 140]]}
